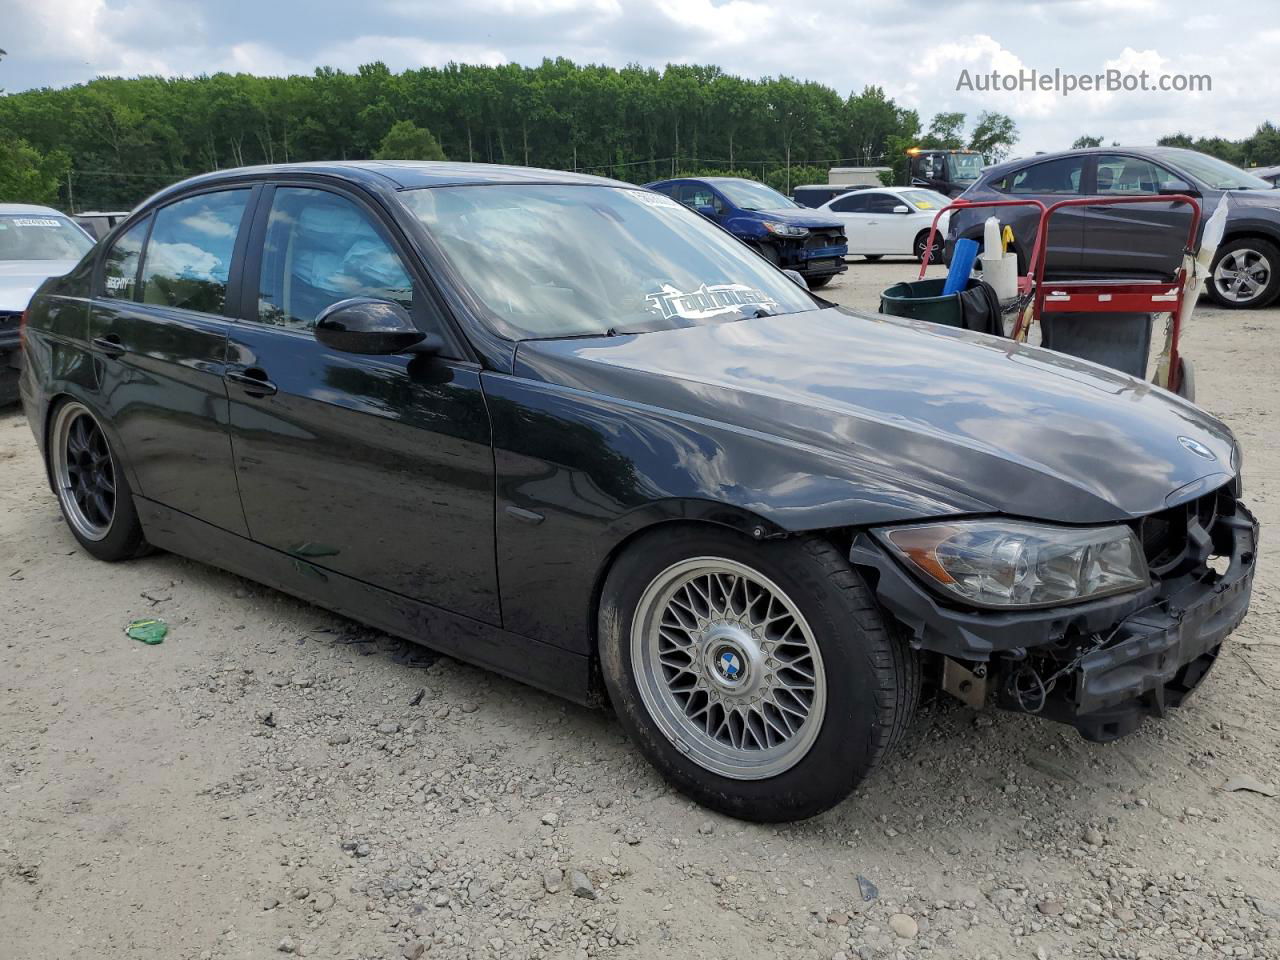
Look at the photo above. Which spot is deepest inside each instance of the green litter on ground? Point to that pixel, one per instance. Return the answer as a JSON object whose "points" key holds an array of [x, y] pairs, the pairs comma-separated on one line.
{"points": [[148, 631]]}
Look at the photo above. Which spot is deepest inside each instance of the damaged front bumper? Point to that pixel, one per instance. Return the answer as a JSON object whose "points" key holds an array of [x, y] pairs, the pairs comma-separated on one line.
{"points": [[1101, 666]]}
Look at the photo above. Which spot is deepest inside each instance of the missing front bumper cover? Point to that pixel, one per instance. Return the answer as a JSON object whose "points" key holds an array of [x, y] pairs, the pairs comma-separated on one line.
{"points": [[1101, 666]]}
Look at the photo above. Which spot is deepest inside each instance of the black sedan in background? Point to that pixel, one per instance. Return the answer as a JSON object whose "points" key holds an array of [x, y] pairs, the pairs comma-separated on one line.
{"points": [[1138, 240], [571, 430]]}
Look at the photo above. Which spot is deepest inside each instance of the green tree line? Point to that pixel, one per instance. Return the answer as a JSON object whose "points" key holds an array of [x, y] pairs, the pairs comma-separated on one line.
{"points": [[121, 139]]}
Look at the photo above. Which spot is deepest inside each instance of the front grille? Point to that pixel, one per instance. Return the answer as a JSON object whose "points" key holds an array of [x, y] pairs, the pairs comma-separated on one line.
{"points": [[824, 237], [1167, 537]]}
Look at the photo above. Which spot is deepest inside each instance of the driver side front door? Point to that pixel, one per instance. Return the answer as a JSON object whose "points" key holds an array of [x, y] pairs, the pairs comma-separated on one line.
{"points": [[379, 468]]}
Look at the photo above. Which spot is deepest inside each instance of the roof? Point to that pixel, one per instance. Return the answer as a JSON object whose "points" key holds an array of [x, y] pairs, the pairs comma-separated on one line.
{"points": [[402, 174], [12, 209]]}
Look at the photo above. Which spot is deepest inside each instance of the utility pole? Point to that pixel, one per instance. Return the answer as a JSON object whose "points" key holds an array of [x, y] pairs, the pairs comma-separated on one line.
{"points": [[71, 200]]}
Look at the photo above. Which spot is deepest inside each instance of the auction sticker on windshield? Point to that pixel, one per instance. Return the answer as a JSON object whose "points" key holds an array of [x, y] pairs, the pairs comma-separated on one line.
{"points": [[709, 300], [651, 198], [35, 222]]}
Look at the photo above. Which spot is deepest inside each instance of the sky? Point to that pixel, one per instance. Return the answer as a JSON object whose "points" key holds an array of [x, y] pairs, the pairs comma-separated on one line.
{"points": [[915, 50]]}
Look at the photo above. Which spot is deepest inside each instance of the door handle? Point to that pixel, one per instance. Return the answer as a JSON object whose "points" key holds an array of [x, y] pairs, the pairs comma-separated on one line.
{"points": [[109, 345], [253, 381]]}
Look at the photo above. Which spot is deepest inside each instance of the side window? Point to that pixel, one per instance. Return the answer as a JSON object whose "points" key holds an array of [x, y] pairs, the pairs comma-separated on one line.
{"points": [[667, 188], [120, 264], [189, 255], [851, 203], [1053, 176], [321, 248], [1130, 176], [698, 195], [883, 203]]}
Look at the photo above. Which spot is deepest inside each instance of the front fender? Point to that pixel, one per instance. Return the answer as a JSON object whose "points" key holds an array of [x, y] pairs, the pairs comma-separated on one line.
{"points": [[578, 473]]}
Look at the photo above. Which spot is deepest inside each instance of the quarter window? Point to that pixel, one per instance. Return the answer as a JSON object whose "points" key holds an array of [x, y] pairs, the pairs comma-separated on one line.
{"points": [[189, 255], [120, 265], [321, 248]]}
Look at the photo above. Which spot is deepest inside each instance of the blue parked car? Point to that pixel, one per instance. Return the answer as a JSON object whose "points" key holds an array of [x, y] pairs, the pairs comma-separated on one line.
{"points": [[789, 235]]}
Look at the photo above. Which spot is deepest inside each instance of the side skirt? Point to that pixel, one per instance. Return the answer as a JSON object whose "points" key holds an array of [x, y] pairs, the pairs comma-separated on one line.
{"points": [[538, 664]]}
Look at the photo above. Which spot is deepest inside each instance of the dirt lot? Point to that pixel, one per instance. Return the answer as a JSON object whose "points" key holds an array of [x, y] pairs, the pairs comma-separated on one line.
{"points": [[273, 779]]}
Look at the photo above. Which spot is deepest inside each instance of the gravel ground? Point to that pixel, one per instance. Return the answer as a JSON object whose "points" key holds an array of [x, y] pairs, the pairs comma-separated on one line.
{"points": [[275, 780]]}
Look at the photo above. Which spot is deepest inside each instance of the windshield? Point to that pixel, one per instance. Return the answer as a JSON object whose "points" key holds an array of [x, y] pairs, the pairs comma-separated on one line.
{"points": [[749, 195], [1215, 173], [924, 199], [563, 261], [36, 236], [964, 166]]}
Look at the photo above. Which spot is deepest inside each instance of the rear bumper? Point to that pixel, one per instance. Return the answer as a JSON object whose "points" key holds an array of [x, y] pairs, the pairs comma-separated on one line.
{"points": [[1100, 667]]}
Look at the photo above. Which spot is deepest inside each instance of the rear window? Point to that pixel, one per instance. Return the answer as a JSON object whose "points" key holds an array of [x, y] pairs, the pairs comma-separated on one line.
{"points": [[40, 236]]}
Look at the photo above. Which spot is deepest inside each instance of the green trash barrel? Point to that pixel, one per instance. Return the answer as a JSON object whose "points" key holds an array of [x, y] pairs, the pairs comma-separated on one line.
{"points": [[923, 300]]}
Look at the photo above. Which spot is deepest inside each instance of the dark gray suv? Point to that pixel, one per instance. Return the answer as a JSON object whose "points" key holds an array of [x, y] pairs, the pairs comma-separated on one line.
{"points": [[1138, 240]]}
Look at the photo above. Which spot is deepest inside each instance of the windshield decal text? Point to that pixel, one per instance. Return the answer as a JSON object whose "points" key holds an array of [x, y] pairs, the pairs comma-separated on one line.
{"points": [[707, 300]]}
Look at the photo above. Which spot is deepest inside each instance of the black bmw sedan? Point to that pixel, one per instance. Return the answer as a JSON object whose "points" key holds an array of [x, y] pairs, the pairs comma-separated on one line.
{"points": [[570, 430]]}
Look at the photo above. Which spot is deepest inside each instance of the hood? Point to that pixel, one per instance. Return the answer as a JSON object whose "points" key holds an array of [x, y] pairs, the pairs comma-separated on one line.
{"points": [[1269, 199], [1000, 426], [801, 218], [19, 279]]}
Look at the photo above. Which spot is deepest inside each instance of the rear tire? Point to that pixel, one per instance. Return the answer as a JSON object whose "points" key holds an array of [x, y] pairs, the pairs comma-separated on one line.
{"points": [[817, 283], [91, 488], [917, 247], [873, 257], [672, 641]]}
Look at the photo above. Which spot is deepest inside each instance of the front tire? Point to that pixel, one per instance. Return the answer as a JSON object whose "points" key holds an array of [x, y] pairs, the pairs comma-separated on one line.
{"points": [[1245, 273], [91, 488], [817, 283], [758, 677]]}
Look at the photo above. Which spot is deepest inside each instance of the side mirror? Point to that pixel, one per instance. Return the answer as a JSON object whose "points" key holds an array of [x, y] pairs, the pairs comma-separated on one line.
{"points": [[797, 278], [375, 327], [1178, 186], [706, 210], [900, 208]]}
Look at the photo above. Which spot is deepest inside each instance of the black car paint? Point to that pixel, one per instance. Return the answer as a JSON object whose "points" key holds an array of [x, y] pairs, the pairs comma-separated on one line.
{"points": [[1138, 240], [474, 500]]}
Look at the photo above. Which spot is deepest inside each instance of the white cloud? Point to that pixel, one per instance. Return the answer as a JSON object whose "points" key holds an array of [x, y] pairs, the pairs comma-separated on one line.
{"points": [[915, 51]]}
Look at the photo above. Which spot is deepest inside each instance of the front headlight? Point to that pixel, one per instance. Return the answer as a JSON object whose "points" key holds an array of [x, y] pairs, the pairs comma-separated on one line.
{"points": [[785, 229], [1007, 563]]}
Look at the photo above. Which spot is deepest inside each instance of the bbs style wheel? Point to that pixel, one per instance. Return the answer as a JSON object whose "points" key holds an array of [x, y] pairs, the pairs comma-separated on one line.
{"points": [[759, 677]]}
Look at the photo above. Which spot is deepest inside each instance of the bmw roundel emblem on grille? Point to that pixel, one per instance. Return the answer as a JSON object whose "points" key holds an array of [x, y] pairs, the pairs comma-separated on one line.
{"points": [[1196, 447], [730, 665]]}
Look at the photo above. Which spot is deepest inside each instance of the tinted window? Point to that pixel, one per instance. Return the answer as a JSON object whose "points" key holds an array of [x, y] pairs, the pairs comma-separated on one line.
{"points": [[39, 236], [120, 264], [852, 203], [321, 248], [883, 203], [551, 260], [1052, 176], [1130, 175], [189, 255]]}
